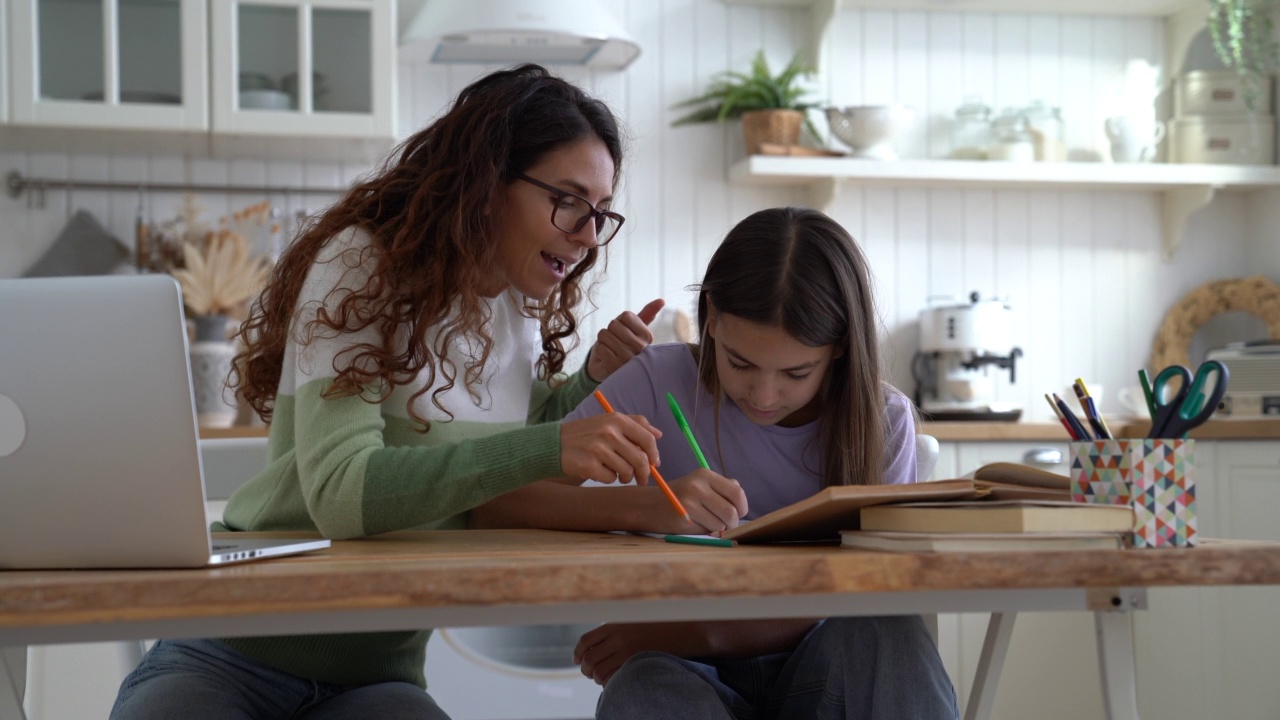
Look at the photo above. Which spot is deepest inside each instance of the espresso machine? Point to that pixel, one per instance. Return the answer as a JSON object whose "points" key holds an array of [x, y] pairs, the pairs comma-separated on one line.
{"points": [[965, 347]]}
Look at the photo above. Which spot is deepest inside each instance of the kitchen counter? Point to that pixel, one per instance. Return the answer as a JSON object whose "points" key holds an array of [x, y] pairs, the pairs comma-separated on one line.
{"points": [[1053, 432], [985, 431]]}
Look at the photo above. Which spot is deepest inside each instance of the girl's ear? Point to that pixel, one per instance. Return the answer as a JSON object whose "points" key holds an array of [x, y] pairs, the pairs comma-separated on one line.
{"points": [[711, 320]]}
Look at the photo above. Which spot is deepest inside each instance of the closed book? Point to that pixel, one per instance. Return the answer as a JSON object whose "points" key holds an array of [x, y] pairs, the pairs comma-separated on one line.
{"points": [[1011, 516], [977, 542]]}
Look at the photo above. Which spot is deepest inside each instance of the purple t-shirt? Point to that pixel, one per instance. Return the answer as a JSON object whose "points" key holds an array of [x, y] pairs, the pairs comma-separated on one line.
{"points": [[776, 466]]}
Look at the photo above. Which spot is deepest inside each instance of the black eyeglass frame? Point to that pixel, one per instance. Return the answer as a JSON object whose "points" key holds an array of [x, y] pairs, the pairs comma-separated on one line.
{"points": [[592, 212]]}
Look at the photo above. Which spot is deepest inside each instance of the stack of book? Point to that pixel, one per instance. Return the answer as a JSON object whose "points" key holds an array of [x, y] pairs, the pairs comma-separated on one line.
{"points": [[990, 526], [1001, 507]]}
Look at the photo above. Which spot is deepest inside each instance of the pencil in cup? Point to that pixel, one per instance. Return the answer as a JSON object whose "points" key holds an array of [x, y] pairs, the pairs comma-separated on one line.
{"points": [[666, 489]]}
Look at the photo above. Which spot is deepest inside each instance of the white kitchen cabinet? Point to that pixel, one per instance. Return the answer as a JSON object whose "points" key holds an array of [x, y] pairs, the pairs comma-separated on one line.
{"points": [[1213, 652], [262, 78], [304, 67], [1051, 671], [4, 63], [108, 64]]}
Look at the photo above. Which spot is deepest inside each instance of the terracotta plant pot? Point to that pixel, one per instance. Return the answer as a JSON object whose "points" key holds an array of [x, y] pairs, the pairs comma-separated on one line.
{"points": [[771, 126]]}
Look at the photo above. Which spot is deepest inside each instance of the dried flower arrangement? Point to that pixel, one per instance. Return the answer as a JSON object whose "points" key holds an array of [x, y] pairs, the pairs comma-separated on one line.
{"points": [[216, 267]]}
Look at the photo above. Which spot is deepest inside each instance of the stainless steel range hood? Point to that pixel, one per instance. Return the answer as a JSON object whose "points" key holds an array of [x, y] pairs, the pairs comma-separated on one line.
{"points": [[504, 32]]}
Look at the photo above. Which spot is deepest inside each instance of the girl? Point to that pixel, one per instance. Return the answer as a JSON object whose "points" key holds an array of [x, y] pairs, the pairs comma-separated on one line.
{"points": [[785, 393], [408, 351]]}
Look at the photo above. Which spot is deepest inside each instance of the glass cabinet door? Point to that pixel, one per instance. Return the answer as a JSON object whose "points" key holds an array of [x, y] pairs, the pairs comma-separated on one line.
{"points": [[289, 67], [110, 63]]}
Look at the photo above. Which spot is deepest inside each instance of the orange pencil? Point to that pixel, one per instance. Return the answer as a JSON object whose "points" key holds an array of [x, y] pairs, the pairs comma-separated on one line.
{"points": [[675, 501]]}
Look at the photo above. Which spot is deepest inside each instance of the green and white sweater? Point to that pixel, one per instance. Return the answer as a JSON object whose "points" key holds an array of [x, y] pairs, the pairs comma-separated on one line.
{"points": [[349, 468]]}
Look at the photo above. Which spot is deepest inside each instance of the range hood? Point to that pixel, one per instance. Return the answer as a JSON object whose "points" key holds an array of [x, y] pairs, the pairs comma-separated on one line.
{"points": [[506, 32]]}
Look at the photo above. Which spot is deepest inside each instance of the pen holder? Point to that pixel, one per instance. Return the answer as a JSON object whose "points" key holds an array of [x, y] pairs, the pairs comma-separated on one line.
{"points": [[1154, 476]]}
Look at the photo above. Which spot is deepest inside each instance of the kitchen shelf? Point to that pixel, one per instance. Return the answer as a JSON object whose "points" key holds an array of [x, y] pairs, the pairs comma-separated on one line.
{"points": [[1185, 187], [1185, 16], [1159, 8]]}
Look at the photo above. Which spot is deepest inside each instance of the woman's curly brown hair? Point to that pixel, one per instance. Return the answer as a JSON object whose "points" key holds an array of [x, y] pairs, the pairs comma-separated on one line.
{"points": [[430, 214]]}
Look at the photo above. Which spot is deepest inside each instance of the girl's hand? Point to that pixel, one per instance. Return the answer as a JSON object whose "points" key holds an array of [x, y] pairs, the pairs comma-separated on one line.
{"points": [[608, 448], [622, 340], [715, 504], [600, 652]]}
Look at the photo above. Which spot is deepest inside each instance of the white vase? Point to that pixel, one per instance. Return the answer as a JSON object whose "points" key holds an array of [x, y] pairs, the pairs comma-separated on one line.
{"points": [[211, 356]]}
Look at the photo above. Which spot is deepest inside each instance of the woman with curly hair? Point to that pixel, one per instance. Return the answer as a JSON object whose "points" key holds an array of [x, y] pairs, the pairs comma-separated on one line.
{"points": [[408, 352]]}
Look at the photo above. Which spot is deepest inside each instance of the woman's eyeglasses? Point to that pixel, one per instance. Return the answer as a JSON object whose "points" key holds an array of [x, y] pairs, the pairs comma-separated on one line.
{"points": [[571, 212]]}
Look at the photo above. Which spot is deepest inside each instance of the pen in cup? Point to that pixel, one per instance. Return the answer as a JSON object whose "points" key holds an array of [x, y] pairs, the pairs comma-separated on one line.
{"points": [[1100, 429], [1061, 418], [1070, 417], [666, 489]]}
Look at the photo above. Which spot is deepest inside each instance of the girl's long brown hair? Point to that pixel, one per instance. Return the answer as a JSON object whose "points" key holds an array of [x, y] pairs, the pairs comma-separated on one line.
{"points": [[799, 270], [431, 213]]}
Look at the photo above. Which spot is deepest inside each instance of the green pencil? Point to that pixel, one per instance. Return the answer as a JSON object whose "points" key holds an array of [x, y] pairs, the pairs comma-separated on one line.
{"points": [[688, 434]]}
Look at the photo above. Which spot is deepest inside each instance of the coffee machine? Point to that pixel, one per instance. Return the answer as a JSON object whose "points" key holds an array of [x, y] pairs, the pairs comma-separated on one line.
{"points": [[964, 347]]}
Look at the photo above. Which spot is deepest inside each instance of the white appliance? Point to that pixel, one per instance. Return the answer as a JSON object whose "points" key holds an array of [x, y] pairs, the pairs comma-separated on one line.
{"points": [[505, 32], [510, 673], [1254, 388], [961, 344]]}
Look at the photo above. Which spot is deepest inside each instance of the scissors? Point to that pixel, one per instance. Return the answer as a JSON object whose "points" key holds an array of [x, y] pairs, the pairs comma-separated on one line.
{"points": [[1189, 407]]}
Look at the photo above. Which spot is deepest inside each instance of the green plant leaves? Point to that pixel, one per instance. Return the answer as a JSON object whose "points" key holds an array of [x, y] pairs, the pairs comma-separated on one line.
{"points": [[730, 93], [1241, 31]]}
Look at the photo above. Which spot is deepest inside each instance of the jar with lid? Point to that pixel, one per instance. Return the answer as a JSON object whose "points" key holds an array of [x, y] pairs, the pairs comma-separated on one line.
{"points": [[971, 133], [1045, 124], [1011, 138]]}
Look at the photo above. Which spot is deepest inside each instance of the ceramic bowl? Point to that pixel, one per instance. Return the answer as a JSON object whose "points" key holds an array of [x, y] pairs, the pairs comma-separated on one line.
{"points": [[265, 100], [870, 129]]}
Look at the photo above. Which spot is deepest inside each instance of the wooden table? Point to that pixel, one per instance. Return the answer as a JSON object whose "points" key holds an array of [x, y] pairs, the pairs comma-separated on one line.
{"points": [[509, 577]]}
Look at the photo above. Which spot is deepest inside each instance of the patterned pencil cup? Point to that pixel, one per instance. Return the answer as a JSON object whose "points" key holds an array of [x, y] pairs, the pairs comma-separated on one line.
{"points": [[1155, 476]]}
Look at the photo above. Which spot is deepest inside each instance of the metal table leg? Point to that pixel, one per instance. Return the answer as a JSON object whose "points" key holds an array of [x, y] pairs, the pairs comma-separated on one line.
{"points": [[13, 681], [994, 648]]}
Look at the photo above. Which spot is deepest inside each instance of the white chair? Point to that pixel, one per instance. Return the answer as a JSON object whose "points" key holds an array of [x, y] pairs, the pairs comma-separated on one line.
{"points": [[926, 456], [926, 459]]}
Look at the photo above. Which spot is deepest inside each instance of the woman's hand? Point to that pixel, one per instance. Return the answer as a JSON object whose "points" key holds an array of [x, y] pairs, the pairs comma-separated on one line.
{"points": [[715, 503], [608, 448], [600, 652], [622, 340]]}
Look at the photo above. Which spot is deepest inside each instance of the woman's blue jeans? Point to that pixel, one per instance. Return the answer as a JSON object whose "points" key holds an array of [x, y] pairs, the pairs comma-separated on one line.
{"points": [[206, 680], [871, 668]]}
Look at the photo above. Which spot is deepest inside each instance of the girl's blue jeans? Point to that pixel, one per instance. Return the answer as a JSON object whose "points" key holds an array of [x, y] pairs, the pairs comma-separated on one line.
{"points": [[870, 668]]}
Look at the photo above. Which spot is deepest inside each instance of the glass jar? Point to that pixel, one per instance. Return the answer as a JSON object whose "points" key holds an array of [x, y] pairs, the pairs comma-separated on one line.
{"points": [[1045, 124], [1011, 138], [971, 133]]}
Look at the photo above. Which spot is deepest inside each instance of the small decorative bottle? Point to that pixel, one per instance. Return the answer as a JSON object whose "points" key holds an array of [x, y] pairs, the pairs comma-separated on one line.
{"points": [[1047, 134], [1011, 138], [971, 133]]}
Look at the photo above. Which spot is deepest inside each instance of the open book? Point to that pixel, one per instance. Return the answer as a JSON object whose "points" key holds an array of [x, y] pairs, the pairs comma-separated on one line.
{"points": [[823, 515]]}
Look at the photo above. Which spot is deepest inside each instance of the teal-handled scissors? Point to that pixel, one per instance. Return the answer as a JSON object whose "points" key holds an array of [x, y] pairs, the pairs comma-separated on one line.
{"points": [[1190, 406]]}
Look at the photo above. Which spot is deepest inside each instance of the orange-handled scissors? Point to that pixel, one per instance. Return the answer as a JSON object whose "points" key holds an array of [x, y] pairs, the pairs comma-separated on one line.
{"points": [[1192, 404]]}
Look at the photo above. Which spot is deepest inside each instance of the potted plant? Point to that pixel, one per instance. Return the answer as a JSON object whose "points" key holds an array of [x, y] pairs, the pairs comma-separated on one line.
{"points": [[772, 107], [1242, 37]]}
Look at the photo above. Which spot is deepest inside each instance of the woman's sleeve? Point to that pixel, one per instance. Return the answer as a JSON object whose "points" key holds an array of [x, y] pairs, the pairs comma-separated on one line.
{"points": [[549, 404], [353, 484]]}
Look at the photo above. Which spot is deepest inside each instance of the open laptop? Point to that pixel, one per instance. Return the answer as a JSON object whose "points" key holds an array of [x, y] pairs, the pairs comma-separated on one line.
{"points": [[99, 450]]}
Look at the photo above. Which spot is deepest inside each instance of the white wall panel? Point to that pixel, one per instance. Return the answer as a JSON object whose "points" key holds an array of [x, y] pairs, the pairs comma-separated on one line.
{"points": [[1081, 269]]}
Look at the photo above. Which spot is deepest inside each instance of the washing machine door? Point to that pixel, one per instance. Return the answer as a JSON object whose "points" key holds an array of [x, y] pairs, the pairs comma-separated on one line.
{"points": [[510, 673]]}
